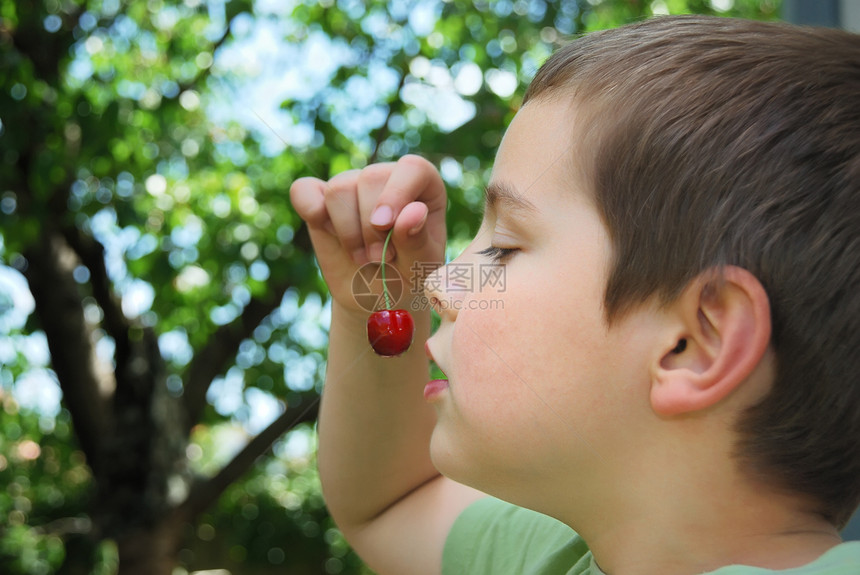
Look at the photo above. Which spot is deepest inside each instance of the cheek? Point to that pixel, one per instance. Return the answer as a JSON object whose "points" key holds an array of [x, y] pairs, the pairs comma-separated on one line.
{"points": [[511, 364], [544, 351], [551, 328], [487, 364], [491, 390]]}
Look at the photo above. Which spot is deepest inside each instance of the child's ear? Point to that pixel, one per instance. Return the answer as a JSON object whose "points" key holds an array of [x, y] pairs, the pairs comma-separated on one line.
{"points": [[722, 333]]}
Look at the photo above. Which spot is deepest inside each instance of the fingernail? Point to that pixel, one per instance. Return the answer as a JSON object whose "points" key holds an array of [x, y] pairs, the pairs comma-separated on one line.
{"points": [[417, 227], [375, 252], [359, 256], [381, 216]]}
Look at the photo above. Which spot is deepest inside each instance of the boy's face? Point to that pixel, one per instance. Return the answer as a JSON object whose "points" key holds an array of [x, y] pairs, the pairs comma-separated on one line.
{"points": [[540, 389]]}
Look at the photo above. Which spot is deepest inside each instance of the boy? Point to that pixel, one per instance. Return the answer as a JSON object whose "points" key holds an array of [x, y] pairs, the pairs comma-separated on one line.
{"points": [[670, 373]]}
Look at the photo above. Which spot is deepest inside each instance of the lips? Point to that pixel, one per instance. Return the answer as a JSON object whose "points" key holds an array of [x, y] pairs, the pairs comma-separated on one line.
{"points": [[435, 388]]}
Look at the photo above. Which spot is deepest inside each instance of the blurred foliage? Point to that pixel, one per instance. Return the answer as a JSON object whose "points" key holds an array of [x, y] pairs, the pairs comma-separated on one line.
{"points": [[44, 483], [142, 124], [274, 518]]}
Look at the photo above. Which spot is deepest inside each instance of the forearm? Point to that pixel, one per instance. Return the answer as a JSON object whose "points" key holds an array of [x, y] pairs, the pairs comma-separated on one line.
{"points": [[374, 426]]}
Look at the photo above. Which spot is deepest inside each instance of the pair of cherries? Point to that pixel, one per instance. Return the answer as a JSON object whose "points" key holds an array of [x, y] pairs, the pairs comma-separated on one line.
{"points": [[389, 330]]}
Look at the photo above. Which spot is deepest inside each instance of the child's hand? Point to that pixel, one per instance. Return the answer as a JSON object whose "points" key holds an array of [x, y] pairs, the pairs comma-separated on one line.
{"points": [[349, 216]]}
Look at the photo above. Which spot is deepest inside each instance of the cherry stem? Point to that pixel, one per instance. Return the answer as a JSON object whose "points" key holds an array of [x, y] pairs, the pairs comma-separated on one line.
{"points": [[384, 282]]}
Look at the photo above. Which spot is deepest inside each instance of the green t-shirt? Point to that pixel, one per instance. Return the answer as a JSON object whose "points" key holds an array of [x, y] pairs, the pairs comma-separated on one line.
{"points": [[492, 537]]}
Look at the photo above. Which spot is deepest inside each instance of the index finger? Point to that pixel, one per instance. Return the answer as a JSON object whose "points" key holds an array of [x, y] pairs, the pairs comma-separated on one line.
{"points": [[412, 179]]}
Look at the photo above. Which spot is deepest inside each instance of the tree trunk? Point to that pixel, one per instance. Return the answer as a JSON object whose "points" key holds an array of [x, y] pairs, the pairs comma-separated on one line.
{"points": [[151, 551]]}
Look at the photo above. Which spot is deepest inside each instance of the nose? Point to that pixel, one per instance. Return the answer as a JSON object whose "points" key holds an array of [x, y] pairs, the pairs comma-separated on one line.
{"points": [[445, 289]]}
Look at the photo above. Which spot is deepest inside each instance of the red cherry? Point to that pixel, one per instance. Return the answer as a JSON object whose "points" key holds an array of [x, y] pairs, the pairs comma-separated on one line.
{"points": [[390, 331]]}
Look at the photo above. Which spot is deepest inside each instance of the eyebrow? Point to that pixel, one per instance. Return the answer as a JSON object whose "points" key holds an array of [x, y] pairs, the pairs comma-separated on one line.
{"points": [[503, 193]]}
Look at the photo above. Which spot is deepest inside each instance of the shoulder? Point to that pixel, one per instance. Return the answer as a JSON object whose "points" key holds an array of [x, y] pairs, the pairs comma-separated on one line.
{"points": [[494, 537]]}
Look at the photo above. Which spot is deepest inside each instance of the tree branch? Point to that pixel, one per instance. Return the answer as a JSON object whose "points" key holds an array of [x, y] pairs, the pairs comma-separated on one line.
{"points": [[222, 346], [58, 308], [211, 360], [91, 253], [207, 491], [66, 526]]}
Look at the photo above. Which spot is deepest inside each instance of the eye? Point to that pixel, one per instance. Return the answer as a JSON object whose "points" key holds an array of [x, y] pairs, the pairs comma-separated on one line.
{"points": [[497, 254]]}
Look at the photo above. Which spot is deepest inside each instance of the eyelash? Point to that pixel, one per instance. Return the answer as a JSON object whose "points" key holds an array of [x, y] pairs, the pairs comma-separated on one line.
{"points": [[497, 254]]}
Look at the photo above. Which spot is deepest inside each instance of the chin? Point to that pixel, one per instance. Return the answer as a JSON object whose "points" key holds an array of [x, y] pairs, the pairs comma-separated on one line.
{"points": [[450, 460], [470, 468]]}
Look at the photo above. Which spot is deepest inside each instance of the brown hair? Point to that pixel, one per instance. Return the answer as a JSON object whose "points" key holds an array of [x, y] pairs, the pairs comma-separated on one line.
{"points": [[714, 141]]}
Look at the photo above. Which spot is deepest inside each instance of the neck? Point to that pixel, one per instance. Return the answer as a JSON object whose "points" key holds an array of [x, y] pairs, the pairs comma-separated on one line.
{"points": [[696, 534], [697, 553]]}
